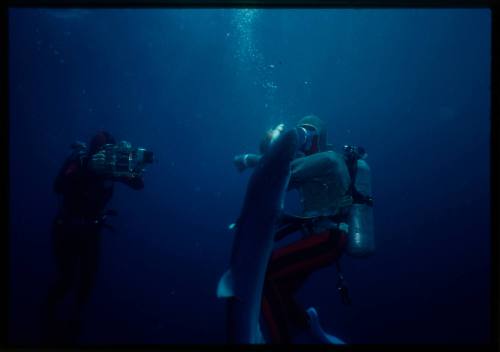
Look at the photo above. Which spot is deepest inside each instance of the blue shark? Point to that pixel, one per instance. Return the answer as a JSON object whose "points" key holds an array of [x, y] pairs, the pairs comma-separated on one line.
{"points": [[243, 282]]}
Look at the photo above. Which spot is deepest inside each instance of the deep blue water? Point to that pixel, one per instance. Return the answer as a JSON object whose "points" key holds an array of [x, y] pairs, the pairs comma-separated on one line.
{"points": [[200, 86]]}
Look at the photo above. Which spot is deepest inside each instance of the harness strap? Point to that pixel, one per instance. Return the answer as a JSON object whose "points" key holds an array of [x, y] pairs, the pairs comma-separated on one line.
{"points": [[352, 166]]}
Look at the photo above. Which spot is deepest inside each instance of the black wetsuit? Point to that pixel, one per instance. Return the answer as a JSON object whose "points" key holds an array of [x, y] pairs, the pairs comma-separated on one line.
{"points": [[76, 229]]}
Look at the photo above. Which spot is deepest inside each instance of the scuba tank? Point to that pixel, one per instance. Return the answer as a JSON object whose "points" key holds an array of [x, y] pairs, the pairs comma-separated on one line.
{"points": [[361, 239]]}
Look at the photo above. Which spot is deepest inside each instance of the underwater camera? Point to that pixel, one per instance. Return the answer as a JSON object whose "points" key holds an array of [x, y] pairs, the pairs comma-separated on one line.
{"points": [[125, 160]]}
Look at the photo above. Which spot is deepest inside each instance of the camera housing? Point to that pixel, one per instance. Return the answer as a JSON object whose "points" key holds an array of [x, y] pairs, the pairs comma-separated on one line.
{"points": [[125, 160]]}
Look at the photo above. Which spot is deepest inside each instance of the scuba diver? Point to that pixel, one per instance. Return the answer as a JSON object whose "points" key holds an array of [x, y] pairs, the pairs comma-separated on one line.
{"points": [[337, 218], [85, 184]]}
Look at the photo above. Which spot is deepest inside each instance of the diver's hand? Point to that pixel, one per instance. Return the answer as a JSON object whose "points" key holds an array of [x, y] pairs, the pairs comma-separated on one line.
{"points": [[240, 162], [343, 227], [98, 163]]}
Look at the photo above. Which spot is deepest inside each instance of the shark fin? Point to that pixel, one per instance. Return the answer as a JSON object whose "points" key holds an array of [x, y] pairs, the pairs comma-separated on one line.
{"points": [[234, 225], [225, 286], [318, 331]]}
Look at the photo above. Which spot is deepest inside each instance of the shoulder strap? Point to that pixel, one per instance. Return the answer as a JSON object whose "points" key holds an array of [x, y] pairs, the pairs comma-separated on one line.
{"points": [[352, 155], [351, 160]]}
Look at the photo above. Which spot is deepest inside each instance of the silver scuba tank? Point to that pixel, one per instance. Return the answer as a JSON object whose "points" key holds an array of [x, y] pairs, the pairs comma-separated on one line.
{"points": [[361, 239]]}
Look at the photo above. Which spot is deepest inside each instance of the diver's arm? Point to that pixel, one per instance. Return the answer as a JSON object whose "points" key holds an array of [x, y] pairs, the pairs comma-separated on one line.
{"points": [[245, 161], [134, 182]]}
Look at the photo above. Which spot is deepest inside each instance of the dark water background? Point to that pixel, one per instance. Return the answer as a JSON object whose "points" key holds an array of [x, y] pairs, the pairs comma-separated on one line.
{"points": [[198, 87]]}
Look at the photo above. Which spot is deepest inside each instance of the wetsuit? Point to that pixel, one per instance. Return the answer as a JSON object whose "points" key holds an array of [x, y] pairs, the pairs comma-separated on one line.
{"points": [[323, 182], [77, 227]]}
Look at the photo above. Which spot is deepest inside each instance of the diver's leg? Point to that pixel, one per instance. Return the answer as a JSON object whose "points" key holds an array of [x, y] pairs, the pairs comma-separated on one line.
{"points": [[274, 314], [288, 268], [66, 264], [306, 255], [281, 313], [89, 264], [90, 259]]}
